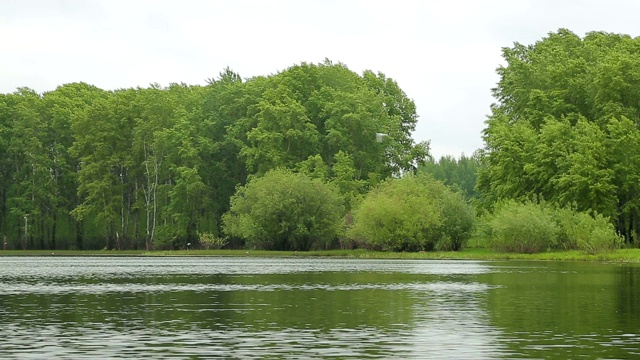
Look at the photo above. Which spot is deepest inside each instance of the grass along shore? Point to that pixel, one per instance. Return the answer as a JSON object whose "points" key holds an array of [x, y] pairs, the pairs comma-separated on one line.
{"points": [[622, 255]]}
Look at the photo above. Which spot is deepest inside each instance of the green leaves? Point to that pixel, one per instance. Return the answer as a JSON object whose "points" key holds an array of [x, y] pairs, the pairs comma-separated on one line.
{"points": [[152, 167], [556, 132], [283, 134], [523, 227], [285, 211], [313, 110], [412, 213], [459, 174]]}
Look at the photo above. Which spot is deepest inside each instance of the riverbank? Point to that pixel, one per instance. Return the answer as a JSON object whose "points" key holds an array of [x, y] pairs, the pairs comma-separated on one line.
{"points": [[623, 255]]}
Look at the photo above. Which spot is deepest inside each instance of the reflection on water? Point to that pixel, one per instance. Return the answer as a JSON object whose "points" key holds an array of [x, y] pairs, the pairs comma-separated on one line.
{"points": [[99, 307], [567, 310]]}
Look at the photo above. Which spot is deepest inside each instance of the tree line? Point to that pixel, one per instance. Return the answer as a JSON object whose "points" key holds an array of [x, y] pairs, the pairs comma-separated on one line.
{"points": [[295, 160], [151, 167], [565, 128]]}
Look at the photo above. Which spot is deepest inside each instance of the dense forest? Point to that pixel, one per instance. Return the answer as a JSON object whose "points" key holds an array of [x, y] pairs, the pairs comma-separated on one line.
{"points": [[318, 156], [460, 174], [565, 130], [85, 168]]}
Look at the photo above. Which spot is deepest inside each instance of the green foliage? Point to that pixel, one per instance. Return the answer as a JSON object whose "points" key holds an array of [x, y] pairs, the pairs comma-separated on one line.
{"points": [[565, 127], [151, 167], [590, 234], [314, 167], [458, 174], [345, 178], [458, 219], [283, 210], [412, 213], [323, 110], [210, 241], [533, 227], [523, 228]]}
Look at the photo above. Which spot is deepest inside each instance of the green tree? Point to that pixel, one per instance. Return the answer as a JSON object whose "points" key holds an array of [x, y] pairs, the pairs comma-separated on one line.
{"points": [[5, 163], [103, 142], [61, 108], [402, 155], [150, 152], [31, 192], [523, 227], [559, 130], [224, 104], [283, 210], [186, 194], [169, 143], [623, 145], [508, 151], [412, 213], [314, 167], [311, 110], [345, 178], [283, 135], [459, 174], [458, 219]]}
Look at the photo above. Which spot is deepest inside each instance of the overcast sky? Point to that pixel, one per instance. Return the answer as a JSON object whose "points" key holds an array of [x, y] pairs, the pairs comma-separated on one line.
{"points": [[443, 53]]}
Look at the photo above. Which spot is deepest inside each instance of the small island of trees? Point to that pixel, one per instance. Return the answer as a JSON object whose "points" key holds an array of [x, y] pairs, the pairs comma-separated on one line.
{"points": [[290, 161]]}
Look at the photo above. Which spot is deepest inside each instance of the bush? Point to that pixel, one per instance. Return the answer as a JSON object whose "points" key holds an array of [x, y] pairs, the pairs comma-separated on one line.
{"points": [[283, 210], [568, 221], [413, 213], [594, 235], [523, 228], [210, 241], [457, 222], [600, 240], [166, 238], [530, 227], [589, 234]]}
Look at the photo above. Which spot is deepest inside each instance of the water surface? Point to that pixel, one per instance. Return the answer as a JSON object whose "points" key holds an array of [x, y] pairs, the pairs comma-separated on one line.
{"points": [[245, 307]]}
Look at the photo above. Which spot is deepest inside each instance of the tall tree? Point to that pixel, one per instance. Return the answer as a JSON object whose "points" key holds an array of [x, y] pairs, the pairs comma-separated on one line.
{"points": [[61, 107], [459, 174], [103, 142], [324, 109], [5, 163], [223, 105], [564, 125], [31, 190]]}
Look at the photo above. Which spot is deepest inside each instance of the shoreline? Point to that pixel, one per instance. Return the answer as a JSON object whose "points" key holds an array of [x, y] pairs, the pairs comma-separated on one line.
{"points": [[621, 255]]}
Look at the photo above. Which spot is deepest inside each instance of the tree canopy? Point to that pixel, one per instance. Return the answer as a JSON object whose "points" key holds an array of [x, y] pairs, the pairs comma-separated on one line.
{"points": [[413, 213], [283, 210], [565, 126], [459, 174], [153, 167]]}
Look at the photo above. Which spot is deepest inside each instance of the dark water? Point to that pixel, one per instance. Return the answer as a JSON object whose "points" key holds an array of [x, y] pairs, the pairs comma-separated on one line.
{"points": [[69, 308]]}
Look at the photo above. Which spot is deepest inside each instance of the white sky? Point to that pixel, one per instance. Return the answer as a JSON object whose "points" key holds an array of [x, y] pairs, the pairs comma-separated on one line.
{"points": [[442, 53]]}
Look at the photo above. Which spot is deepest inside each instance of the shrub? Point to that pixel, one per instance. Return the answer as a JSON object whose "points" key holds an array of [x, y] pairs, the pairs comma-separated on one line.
{"points": [[412, 213], [283, 210], [523, 228], [569, 226], [457, 221], [587, 233], [210, 241], [595, 234]]}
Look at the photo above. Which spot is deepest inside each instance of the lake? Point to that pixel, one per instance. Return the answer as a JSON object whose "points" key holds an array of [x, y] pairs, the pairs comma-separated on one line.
{"points": [[249, 307]]}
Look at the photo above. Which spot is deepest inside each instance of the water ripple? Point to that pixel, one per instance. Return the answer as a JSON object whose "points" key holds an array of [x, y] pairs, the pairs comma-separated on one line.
{"points": [[18, 288]]}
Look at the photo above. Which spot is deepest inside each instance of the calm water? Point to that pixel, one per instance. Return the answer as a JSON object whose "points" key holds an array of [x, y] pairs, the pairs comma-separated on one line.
{"points": [[69, 308]]}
